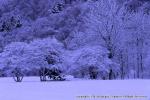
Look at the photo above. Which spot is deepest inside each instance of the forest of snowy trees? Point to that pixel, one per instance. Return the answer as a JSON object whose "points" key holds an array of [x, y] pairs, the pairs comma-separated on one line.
{"points": [[96, 39]]}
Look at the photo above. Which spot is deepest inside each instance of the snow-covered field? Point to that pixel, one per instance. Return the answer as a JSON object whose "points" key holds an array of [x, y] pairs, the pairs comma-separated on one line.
{"points": [[32, 89]]}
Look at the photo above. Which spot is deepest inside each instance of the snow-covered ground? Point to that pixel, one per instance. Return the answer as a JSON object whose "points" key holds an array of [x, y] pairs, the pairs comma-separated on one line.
{"points": [[32, 89]]}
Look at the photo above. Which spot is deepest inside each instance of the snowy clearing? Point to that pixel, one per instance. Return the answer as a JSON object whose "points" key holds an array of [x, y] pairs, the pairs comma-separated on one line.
{"points": [[32, 89]]}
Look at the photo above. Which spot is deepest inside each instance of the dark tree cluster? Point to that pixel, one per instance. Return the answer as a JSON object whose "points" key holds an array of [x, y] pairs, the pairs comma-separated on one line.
{"points": [[10, 24], [58, 8]]}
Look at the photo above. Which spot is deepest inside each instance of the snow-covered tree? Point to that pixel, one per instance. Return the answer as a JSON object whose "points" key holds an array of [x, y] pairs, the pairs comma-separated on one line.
{"points": [[31, 56], [136, 39], [103, 20], [146, 71], [92, 62]]}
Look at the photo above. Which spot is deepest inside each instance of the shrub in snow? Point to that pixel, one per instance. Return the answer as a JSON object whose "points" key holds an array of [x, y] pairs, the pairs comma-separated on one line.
{"points": [[69, 77], [52, 73], [17, 75]]}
